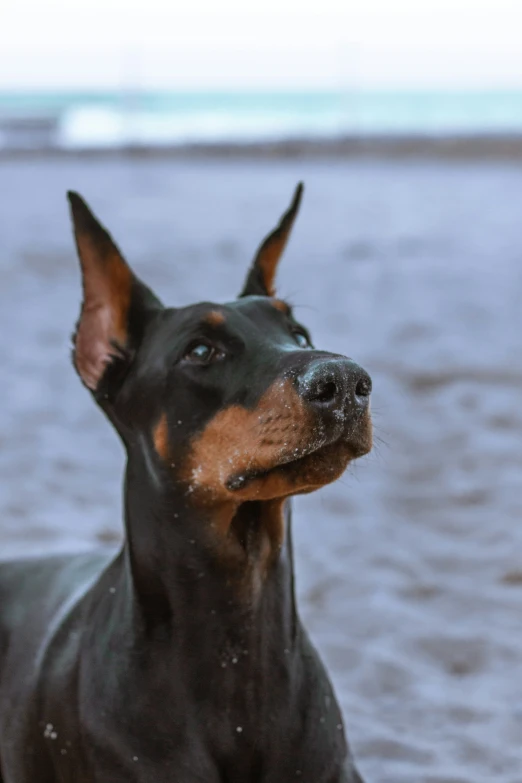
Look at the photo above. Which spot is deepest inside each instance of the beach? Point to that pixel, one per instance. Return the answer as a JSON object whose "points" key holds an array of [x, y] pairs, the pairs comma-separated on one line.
{"points": [[409, 568]]}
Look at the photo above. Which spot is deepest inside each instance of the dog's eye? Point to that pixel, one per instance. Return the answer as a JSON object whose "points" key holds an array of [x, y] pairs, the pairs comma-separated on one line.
{"points": [[301, 338], [202, 353]]}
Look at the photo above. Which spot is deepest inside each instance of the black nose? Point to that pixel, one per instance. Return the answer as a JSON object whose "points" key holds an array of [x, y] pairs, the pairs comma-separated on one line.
{"points": [[335, 384]]}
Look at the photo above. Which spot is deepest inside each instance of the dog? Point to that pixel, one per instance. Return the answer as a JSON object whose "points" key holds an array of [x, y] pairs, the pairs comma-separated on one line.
{"points": [[182, 658]]}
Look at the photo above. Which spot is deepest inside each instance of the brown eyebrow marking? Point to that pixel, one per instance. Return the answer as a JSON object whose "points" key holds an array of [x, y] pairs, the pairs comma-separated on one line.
{"points": [[282, 306], [160, 437], [215, 318]]}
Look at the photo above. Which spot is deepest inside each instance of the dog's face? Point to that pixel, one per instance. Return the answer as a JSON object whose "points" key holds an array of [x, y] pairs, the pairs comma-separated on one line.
{"points": [[231, 401]]}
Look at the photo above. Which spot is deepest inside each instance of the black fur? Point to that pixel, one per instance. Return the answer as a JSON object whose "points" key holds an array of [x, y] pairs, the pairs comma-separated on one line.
{"points": [[180, 659]]}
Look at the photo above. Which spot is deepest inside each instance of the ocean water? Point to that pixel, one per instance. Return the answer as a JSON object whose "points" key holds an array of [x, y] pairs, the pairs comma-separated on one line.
{"points": [[94, 119]]}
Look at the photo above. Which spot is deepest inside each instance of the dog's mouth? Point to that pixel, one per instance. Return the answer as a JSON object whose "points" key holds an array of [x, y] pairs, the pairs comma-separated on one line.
{"points": [[289, 463], [283, 447], [303, 470]]}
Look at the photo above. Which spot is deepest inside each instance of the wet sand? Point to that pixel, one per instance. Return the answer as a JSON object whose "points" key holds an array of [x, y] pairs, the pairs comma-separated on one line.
{"points": [[410, 567], [442, 146]]}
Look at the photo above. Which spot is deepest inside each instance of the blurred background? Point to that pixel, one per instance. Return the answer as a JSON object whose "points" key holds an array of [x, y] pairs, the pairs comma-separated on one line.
{"points": [[186, 127]]}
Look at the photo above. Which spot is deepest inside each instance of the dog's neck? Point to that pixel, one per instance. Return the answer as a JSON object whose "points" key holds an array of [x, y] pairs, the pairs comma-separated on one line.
{"points": [[184, 561]]}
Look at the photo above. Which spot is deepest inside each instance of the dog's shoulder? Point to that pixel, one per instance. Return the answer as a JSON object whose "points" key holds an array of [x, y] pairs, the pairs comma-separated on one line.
{"points": [[35, 594]]}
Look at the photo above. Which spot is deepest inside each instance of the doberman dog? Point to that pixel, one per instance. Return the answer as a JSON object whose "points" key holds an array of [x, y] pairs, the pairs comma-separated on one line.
{"points": [[182, 658]]}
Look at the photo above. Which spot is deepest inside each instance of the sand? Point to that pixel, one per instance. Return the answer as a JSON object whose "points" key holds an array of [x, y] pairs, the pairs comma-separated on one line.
{"points": [[410, 567]]}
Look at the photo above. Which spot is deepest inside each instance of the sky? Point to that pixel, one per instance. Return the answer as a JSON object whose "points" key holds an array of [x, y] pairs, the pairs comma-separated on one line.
{"points": [[268, 44]]}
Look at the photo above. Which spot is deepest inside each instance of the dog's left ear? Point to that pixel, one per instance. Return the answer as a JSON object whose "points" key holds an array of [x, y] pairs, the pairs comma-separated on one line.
{"points": [[261, 277], [116, 305]]}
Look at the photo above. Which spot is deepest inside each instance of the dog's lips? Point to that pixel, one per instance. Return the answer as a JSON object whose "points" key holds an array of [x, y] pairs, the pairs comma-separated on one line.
{"points": [[241, 480], [326, 456]]}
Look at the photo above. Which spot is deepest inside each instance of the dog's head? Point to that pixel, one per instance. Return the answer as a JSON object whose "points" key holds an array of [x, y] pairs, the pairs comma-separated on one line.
{"points": [[230, 401]]}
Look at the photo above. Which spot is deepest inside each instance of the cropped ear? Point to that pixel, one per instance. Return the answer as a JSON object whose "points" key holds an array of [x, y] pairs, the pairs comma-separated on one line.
{"points": [[116, 306], [261, 277]]}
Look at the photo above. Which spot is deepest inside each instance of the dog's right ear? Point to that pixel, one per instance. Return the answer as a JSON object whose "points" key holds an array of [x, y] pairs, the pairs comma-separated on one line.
{"points": [[116, 306], [261, 276]]}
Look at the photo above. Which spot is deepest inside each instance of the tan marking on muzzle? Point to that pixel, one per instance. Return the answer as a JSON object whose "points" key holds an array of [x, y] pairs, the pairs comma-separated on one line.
{"points": [[311, 473], [241, 441]]}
